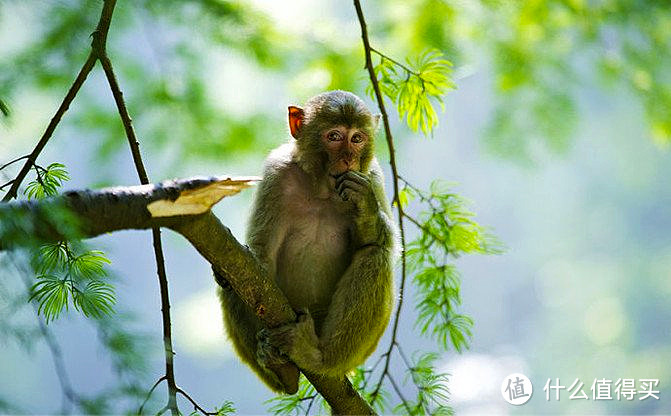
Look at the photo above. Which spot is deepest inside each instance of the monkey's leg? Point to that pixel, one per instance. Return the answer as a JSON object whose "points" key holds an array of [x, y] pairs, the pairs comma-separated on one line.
{"points": [[242, 328], [357, 317], [359, 311]]}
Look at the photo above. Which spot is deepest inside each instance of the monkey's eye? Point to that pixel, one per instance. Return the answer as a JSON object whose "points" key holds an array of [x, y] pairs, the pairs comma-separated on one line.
{"points": [[357, 138], [334, 136]]}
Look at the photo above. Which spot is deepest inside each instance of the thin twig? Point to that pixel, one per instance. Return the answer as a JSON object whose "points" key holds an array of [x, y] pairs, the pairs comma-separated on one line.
{"points": [[99, 36], [312, 401], [372, 369], [69, 97], [139, 411], [398, 392], [7, 184], [39, 175], [396, 199], [413, 220], [193, 402], [407, 362], [99, 47], [424, 228], [14, 161], [412, 368], [410, 185], [395, 62]]}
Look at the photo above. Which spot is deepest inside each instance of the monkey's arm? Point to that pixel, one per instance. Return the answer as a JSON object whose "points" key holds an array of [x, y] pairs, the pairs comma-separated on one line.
{"points": [[265, 231], [361, 305], [241, 324]]}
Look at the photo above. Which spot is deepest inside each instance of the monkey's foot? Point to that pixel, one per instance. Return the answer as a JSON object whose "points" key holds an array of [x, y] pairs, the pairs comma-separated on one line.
{"points": [[270, 358]]}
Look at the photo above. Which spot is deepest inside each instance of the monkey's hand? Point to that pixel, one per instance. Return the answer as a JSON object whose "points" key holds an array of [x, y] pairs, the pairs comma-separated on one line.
{"points": [[277, 363], [299, 342], [357, 189], [267, 354]]}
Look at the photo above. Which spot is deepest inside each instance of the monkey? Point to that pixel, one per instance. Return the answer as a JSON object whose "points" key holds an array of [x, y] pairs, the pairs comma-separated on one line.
{"points": [[322, 228]]}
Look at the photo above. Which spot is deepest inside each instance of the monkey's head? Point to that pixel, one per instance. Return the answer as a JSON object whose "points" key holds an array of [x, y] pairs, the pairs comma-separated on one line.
{"points": [[334, 133]]}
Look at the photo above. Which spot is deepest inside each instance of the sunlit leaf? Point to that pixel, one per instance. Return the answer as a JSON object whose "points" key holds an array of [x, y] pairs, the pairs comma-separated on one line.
{"points": [[89, 264], [95, 299], [48, 181], [52, 294]]}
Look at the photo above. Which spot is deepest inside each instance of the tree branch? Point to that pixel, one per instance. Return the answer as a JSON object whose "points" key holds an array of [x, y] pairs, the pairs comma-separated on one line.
{"points": [[183, 206], [99, 47], [13, 161], [99, 38], [140, 410], [32, 158], [395, 179]]}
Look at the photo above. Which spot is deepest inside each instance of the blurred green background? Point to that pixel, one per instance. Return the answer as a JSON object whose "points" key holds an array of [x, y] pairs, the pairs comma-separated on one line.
{"points": [[558, 130]]}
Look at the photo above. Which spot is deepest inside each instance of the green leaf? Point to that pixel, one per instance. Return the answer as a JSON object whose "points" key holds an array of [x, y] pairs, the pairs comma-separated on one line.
{"points": [[225, 409], [52, 257], [416, 87], [297, 403], [405, 196], [95, 300], [52, 294], [4, 108], [48, 181], [89, 265], [432, 387], [79, 277]]}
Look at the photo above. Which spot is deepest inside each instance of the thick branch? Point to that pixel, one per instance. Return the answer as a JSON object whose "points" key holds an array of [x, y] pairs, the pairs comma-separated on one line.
{"points": [[113, 209], [183, 206]]}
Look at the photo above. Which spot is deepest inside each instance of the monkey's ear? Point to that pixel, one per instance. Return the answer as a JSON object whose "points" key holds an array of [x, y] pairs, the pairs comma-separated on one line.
{"points": [[296, 115], [376, 121]]}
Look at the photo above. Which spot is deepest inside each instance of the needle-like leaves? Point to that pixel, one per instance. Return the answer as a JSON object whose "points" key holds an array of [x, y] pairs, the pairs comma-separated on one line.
{"points": [[416, 87], [47, 182]]}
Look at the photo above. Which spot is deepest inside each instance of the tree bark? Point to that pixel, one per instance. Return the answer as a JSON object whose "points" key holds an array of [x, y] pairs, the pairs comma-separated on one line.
{"points": [[183, 206]]}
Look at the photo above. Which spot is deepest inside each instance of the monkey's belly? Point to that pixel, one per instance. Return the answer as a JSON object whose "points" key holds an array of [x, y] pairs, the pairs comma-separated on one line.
{"points": [[310, 263]]}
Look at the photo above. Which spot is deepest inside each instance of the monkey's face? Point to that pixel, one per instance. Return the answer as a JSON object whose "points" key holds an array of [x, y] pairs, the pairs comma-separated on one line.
{"points": [[344, 147]]}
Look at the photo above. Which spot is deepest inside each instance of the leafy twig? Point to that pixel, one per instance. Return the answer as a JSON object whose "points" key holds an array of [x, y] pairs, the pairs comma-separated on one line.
{"points": [[99, 48], [102, 28], [396, 198], [196, 406], [395, 62]]}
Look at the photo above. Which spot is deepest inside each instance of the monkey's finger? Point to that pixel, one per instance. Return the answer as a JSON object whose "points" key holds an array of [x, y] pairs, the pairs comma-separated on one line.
{"points": [[344, 176], [349, 184], [278, 337], [359, 177], [351, 194], [352, 176], [347, 194]]}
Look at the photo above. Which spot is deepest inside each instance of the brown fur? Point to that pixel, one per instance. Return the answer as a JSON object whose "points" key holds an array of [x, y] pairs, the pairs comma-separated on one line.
{"points": [[328, 244]]}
